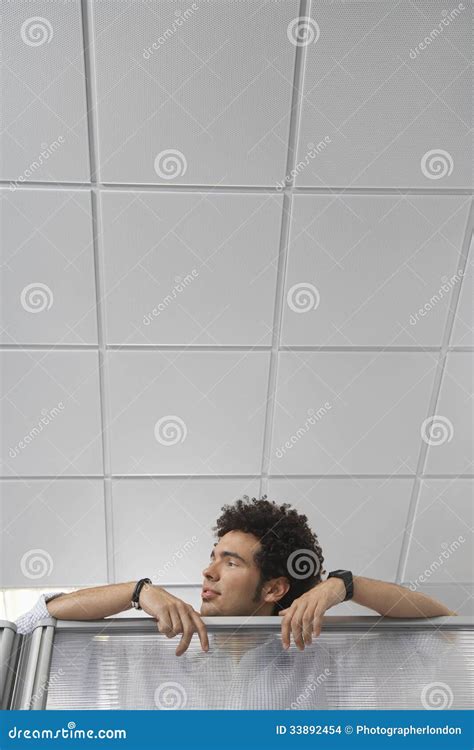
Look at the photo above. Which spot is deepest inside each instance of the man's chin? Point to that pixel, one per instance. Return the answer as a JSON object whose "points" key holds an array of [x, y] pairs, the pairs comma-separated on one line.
{"points": [[209, 609]]}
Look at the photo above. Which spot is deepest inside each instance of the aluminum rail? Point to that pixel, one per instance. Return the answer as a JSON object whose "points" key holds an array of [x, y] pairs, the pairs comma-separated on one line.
{"points": [[336, 623], [7, 647]]}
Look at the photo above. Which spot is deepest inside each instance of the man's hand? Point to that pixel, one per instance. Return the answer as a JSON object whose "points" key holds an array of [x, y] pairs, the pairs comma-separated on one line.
{"points": [[173, 616], [305, 615]]}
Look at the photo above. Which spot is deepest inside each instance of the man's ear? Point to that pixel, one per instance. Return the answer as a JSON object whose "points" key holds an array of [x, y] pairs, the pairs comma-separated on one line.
{"points": [[275, 589]]}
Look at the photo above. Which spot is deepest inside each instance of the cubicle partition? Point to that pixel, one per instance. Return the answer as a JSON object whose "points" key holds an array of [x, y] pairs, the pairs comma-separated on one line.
{"points": [[9, 647], [356, 663]]}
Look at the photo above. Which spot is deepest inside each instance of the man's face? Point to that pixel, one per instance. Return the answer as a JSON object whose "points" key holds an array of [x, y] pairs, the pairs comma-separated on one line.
{"points": [[231, 579]]}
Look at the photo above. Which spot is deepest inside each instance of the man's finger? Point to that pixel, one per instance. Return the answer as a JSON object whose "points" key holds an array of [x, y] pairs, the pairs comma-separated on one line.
{"points": [[286, 630], [317, 621], [176, 621], [202, 631], [188, 630], [164, 623], [297, 628]]}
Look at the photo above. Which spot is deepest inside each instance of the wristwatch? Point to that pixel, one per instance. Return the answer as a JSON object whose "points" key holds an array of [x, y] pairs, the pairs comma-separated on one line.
{"points": [[346, 576], [137, 590]]}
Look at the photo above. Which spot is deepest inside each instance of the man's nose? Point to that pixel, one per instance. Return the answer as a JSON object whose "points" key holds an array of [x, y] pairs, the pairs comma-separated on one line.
{"points": [[211, 571]]}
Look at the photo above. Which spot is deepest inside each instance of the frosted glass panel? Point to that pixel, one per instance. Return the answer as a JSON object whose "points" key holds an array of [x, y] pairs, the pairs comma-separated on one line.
{"points": [[251, 670]]}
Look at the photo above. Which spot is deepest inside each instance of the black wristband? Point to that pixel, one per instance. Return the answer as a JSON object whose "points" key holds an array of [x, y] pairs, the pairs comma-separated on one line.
{"points": [[137, 590], [346, 576]]}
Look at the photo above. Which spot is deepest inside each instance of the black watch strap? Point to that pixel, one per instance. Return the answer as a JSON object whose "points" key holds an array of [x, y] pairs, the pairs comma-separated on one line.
{"points": [[136, 592], [346, 576]]}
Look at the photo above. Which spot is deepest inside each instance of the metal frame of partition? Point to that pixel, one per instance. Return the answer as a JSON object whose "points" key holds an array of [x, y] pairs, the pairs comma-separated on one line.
{"points": [[9, 644], [31, 688]]}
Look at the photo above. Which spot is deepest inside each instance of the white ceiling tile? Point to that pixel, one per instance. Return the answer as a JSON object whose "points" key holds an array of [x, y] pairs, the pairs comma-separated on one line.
{"points": [[205, 100], [44, 111], [164, 527], [371, 270], [50, 413], [190, 268], [448, 432], [184, 412], [53, 533], [463, 332], [359, 523], [441, 544], [350, 412], [378, 111], [49, 290]]}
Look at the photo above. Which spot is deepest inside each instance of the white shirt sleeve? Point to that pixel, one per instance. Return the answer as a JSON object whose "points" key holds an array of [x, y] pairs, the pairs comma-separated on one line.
{"points": [[26, 622]]}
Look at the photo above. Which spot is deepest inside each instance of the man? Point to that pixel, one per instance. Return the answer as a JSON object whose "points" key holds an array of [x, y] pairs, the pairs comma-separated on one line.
{"points": [[266, 561]]}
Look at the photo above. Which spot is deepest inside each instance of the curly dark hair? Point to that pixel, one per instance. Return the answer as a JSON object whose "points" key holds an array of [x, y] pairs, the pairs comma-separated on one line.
{"points": [[288, 546]]}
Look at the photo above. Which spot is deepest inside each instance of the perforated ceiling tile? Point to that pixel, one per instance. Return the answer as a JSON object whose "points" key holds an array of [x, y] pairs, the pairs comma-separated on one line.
{"points": [[194, 93], [361, 268], [49, 285], [50, 413], [44, 112], [148, 537], [341, 511], [187, 412], [448, 432], [190, 269], [380, 111], [463, 332], [350, 412], [47, 526], [441, 543]]}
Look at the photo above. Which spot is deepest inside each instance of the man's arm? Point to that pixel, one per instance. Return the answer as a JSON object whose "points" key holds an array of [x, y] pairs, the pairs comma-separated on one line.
{"points": [[94, 603], [392, 600]]}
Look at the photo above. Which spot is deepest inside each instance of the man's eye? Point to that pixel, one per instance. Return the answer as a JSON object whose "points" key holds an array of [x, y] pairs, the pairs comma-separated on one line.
{"points": [[231, 563]]}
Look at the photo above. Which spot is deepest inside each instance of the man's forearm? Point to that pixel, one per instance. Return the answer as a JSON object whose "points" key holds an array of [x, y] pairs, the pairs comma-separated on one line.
{"points": [[392, 600], [94, 603]]}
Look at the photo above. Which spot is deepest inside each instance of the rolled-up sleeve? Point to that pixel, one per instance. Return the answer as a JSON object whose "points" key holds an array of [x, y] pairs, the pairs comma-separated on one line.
{"points": [[27, 622]]}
